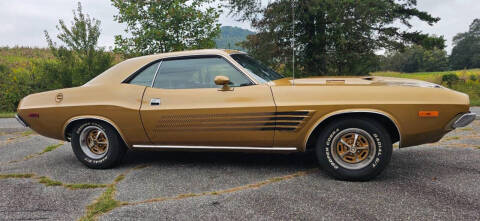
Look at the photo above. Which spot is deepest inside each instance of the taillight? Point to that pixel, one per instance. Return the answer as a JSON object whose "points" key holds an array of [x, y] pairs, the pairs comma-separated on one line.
{"points": [[34, 115]]}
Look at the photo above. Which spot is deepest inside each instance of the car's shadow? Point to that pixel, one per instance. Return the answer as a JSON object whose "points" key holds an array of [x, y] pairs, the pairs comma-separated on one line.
{"points": [[405, 163], [231, 159]]}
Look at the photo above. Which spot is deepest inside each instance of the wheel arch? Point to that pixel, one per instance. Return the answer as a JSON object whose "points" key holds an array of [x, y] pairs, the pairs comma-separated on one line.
{"points": [[69, 125], [391, 124]]}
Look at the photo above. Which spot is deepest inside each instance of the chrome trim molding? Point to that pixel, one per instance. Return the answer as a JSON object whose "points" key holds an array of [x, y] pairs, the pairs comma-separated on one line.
{"points": [[156, 72], [222, 54], [213, 147], [464, 120], [20, 120], [358, 111]]}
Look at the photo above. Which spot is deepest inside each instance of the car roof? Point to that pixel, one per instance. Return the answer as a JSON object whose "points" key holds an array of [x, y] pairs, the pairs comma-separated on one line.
{"points": [[191, 53], [122, 70]]}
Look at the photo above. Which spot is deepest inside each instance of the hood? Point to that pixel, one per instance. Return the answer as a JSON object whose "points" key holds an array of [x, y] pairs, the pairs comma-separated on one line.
{"points": [[357, 81]]}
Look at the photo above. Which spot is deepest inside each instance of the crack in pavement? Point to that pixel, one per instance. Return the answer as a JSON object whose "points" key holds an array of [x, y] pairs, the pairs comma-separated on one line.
{"points": [[229, 190], [13, 139], [34, 155], [46, 150], [46, 181], [106, 201], [95, 209]]}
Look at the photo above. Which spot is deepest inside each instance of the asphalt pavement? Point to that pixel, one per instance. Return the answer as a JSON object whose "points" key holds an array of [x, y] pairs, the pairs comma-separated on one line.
{"points": [[10, 125], [476, 110], [437, 181]]}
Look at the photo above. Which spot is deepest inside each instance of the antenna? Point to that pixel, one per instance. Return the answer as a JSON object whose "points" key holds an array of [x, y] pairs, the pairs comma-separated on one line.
{"points": [[293, 42]]}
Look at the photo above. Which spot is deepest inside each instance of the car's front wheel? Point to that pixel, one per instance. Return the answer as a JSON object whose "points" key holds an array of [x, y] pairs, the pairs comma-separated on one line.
{"points": [[354, 149], [97, 145]]}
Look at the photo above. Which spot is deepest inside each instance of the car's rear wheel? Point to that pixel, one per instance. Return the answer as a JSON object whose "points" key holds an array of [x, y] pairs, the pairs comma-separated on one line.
{"points": [[97, 145], [354, 149]]}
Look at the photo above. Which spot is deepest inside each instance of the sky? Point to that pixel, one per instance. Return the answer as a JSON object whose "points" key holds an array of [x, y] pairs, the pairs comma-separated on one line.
{"points": [[22, 22]]}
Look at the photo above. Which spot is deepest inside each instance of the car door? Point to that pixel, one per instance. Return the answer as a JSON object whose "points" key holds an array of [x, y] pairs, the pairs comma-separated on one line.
{"points": [[185, 107]]}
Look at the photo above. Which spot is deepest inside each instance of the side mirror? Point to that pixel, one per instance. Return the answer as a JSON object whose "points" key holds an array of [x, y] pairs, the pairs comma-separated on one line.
{"points": [[225, 81]]}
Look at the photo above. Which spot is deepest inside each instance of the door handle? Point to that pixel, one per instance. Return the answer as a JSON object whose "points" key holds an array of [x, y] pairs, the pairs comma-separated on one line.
{"points": [[155, 101]]}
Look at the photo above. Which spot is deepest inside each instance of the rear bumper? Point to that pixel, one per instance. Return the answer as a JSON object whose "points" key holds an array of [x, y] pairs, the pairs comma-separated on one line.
{"points": [[21, 121], [462, 120]]}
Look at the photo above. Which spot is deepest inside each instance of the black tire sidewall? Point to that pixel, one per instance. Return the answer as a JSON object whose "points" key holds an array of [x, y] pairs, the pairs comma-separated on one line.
{"points": [[381, 159], [114, 151]]}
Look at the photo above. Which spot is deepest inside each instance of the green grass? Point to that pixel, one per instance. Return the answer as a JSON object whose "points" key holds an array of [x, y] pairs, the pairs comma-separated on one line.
{"points": [[435, 77], [7, 176], [452, 138], [51, 147], [465, 85], [7, 114], [119, 178], [103, 204], [85, 186], [74, 186], [49, 182], [27, 133], [47, 149]]}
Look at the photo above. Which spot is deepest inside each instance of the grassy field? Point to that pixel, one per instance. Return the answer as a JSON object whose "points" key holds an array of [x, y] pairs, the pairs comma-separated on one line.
{"points": [[7, 114], [469, 82], [22, 57]]}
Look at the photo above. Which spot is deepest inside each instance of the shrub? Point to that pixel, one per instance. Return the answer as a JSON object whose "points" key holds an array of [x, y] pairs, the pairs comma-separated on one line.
{"points": [[450, 79], [473, 77], [471, 88]]}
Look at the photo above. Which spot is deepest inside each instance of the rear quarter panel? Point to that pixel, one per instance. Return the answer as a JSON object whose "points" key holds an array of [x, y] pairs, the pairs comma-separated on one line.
{"points": [[118, 103]]}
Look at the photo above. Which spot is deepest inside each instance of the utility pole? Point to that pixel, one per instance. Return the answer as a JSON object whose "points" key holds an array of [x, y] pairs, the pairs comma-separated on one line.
{"points": [[293, 41]]}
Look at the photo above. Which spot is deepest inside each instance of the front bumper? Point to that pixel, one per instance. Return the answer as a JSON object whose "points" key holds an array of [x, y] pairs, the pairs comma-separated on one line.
{"points": [[21, 121], [463, 120]]}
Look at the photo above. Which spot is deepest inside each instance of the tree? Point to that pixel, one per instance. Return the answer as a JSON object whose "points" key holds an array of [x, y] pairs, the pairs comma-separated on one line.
{"points": [[79, 59], [466, 48], [430, 42], [416, 59], [434, 60], [333, 36], [159, 26]]}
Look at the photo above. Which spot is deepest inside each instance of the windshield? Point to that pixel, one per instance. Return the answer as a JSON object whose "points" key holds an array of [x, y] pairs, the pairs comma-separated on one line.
{"points": [[259, 71]]}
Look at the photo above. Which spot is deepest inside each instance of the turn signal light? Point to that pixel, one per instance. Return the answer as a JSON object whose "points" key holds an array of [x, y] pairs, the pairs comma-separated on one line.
{"points": [[428, 113]]}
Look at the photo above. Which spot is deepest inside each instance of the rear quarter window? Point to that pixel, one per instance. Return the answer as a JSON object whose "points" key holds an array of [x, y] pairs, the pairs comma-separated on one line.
{"points": [[145, 77]]}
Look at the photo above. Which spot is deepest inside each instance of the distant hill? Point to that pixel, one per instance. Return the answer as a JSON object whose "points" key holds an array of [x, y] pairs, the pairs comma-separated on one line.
{"points": [[230, 36]]}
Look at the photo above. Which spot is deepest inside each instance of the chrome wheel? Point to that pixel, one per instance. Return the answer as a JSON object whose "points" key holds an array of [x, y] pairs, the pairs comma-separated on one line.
{"points": [[94, 142], [353, 148]]}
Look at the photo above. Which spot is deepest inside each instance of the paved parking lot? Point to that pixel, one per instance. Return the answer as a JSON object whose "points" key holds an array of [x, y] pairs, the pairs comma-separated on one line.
{"points": [[41, 179]]}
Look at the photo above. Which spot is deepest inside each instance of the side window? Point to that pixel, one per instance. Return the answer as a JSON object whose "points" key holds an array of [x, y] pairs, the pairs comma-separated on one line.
{"points": [[197, 73], [145, 77]]}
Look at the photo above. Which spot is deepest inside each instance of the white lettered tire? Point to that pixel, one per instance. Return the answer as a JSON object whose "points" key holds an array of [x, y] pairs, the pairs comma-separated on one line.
{"points": [[355, 149], [97, 145]]}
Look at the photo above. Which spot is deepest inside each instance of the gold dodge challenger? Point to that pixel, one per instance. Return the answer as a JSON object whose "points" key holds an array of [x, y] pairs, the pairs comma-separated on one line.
{"points": [[223, 100]]}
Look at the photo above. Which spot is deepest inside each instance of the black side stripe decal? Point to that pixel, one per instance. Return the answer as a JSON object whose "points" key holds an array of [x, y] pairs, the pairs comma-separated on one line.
{"points": [[296, 113], [287, 118]]}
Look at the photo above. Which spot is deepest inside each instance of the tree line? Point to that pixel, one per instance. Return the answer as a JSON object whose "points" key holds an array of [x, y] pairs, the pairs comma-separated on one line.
{"points": [[344, 37], [327, 37], [420, 58]]}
